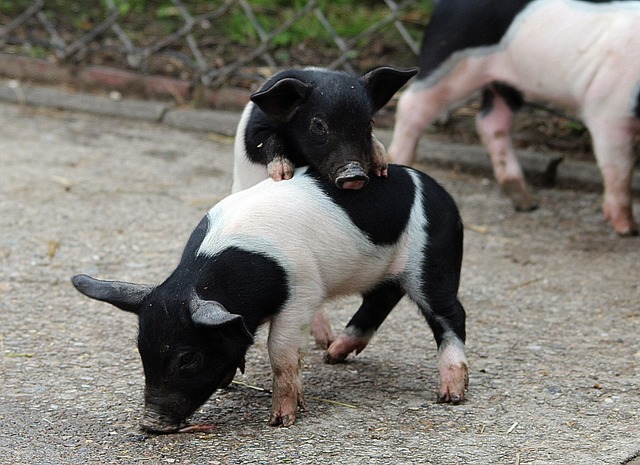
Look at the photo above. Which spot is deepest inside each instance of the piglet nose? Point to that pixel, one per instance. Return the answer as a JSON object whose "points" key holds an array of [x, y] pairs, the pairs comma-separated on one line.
{"points": [[351, 176], [154, 423]]}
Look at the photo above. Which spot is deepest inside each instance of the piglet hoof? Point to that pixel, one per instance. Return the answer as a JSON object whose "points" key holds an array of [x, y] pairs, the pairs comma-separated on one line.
{"points": [[287, 396], [521, 198], [624, 227], [282, 420], [622, 222], [343, 346], [280, 168], [454, 382], [450, 398], [633, 232], [331, 360], [381, 173], [284, 414], [351, 176]]}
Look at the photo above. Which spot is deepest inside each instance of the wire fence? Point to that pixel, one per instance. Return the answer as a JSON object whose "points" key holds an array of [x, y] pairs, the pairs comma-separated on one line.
{"points": [[215, 43]]}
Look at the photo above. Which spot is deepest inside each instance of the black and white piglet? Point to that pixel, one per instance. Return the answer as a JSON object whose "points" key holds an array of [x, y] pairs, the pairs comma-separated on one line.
{"points": [[315, 117], [274, 253]]}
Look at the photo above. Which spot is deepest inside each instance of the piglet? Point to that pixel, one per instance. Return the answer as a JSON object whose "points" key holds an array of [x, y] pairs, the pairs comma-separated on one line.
{"points": [[316, 117], [275, 253], [578, 54]]}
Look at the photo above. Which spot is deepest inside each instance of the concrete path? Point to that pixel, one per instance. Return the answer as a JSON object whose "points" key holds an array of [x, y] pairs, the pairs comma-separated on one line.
{"points": [[553, 303]]}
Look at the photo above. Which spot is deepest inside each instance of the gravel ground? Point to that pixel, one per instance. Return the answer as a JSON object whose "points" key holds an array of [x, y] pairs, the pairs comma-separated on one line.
{"points": [[553, 303]]}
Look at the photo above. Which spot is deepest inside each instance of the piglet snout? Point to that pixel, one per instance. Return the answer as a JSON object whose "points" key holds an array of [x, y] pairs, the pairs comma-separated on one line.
{"points": [[153, 422], [351, 176]]}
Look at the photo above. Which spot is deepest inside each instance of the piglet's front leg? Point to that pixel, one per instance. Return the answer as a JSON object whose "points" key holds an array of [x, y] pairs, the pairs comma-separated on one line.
{"points": [[287, 397], [286, 335], [280, 168], [380, 159]]}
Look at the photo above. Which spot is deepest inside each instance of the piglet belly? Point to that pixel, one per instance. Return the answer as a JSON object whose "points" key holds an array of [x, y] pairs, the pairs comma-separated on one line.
{"points": [[356, 274]]}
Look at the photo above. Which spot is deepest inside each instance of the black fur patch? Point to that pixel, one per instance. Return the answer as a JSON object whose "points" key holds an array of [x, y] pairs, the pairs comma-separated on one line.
{"points": [[511, 96], [381, 209], [441, 266], [196, 238], [246, 283], [461, 24]]}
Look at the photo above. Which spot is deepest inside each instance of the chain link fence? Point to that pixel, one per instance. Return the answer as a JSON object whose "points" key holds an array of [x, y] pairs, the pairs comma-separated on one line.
{"points": [[215, 43]]}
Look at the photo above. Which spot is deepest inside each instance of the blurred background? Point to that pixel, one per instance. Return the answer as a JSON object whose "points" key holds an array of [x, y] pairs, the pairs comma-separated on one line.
{"points": [[213, 53], [213, 43]]}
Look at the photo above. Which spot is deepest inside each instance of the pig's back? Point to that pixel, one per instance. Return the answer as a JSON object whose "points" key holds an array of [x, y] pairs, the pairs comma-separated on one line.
{"points": [[308, 206], [308, 212], [347, 240], [580, 44]]}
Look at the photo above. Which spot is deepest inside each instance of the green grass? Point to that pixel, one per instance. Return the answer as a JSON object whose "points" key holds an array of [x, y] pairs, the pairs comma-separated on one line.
{"points": [[347, 17], [148, 21], [11, 7]]}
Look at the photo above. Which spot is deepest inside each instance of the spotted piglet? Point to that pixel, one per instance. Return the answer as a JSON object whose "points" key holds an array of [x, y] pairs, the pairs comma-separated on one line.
{"points": [[274, 253], [579, 54], [315, 117]]}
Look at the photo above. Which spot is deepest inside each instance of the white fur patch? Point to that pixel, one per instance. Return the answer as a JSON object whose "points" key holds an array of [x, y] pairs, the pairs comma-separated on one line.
{"points": [[297, 225], [413, 245], [245, 173], [451, 354]]}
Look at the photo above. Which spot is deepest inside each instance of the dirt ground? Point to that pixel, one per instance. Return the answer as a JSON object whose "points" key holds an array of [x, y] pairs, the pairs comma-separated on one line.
{"points": [[552, 297]]}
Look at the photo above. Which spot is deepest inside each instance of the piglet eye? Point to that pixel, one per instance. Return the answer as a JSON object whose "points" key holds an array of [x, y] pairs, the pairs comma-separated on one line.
{"points": [[319, 127], [189, 360]]}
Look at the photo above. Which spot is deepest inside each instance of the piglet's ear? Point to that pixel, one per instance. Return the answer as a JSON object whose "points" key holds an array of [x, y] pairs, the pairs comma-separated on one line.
{"points": [[211, 314], [282, 99], [126, 296], [385, 81]]}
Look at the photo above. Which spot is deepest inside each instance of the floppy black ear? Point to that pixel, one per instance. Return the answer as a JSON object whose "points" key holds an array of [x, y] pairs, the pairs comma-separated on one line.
{"points": [[282, 99], [211, 314], [126, 296], [385, 81]]}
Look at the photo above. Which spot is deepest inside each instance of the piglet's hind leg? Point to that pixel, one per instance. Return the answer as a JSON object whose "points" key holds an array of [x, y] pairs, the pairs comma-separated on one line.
{"points": [[494, 123], [613, 148], [321, 330], [454, 372], [376, 306], [448, 326]]}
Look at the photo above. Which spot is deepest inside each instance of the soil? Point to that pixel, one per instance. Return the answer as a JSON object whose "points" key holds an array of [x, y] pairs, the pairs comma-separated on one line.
{"points": [[552, 301]]}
